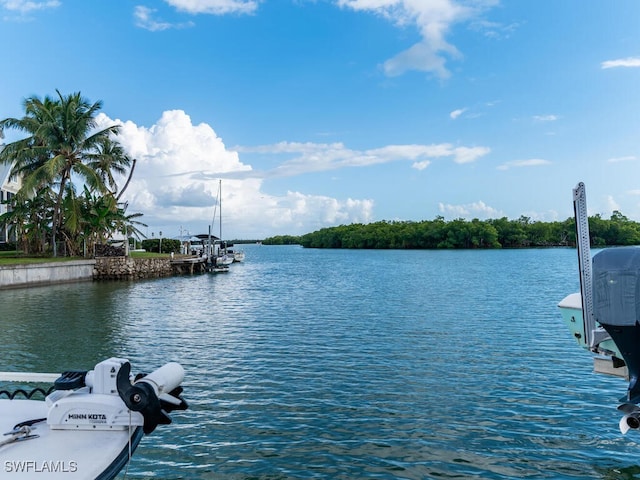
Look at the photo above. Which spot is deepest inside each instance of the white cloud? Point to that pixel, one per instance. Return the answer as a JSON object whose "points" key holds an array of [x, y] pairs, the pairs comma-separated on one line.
{"points": [[545, 118], [478, 210], [532, 162], [612, 204], [548, 216], [27, 6], [494, 30], [179, 164], [456, 113], [622, 62], [421, 165], [215, 7], [469, 154], [433, 19], [145, 18], [175, 185], [627, 158], [306, 213], [317, 157]]}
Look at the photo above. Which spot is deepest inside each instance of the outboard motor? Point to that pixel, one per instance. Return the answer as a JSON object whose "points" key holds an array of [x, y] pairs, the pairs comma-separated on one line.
{"points": [[631, 419], [616, 306]]}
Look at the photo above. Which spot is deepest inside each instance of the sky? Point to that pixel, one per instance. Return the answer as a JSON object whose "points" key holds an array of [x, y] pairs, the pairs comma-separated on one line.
{"points": [[316, 113]]}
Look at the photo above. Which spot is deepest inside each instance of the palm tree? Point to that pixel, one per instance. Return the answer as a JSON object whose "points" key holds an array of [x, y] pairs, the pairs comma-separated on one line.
{"points": [[100, 216], [61, 141], [109, 159], [29, 220]]}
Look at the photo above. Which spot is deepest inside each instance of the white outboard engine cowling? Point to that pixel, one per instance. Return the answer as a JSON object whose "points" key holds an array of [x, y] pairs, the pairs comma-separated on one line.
{"points": [[616, 306]]}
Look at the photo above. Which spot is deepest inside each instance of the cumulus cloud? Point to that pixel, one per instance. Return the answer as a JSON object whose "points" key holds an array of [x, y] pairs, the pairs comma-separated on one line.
{"points": [[478, 210], [621, 62], [176, 178], [318, 157], [532, 162], [612, 205], [433, 19], [179, 165]]}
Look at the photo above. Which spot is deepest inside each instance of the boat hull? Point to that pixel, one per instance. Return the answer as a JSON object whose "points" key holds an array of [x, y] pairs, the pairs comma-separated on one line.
{"points": [[571, 311], [56, 454]]}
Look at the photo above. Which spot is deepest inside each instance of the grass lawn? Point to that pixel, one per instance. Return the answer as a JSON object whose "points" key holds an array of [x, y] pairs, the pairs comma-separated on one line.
{"points": [[16, 258]]}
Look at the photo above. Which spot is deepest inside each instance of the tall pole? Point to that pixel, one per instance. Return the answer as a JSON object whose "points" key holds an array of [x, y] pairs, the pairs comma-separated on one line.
{"points": [[594, 334]]}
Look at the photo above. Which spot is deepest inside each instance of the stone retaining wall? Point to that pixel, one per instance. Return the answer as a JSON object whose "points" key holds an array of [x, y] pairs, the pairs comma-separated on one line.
{"points": [[121, 268], [102, 268]]}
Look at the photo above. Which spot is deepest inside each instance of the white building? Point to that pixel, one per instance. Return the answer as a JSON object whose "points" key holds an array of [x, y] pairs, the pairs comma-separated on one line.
{"points": [[9, 186]]}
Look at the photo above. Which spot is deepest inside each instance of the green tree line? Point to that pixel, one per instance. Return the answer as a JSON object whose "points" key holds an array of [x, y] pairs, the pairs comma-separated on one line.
{"points": [[68, 166], [467, 234]]}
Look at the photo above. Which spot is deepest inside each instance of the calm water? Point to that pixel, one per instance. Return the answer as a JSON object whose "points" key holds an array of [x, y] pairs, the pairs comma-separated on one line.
{"points": [[348, 364]]}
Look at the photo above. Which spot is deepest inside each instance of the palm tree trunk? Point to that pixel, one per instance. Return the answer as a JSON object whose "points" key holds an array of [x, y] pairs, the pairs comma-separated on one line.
{"points": [[133, 166], [56, 219]]}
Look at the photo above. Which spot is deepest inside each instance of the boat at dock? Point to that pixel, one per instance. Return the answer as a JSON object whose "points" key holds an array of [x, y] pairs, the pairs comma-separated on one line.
{"points": [[88, 423], [238, 255], [218, 254], [603, 316]]}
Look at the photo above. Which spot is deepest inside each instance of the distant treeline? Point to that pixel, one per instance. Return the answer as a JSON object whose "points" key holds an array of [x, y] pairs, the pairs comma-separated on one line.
{"points": [[494, 233]]}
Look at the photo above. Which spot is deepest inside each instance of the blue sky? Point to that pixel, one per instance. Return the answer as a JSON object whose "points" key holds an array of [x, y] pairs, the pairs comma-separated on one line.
{"points": [[317, 113]]}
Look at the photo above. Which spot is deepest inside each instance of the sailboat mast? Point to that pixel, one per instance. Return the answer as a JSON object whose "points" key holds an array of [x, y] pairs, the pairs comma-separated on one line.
{"points": [[220, 201]]}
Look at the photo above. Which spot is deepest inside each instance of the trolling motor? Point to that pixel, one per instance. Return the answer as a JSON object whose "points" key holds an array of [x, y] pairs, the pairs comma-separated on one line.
{"points": [[107, 398]]}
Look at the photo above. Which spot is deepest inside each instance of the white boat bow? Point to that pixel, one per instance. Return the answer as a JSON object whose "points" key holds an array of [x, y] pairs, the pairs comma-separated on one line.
{"points": [[90, 423]]}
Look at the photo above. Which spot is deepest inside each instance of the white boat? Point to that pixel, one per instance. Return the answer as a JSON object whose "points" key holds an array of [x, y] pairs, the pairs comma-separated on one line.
{"points": [[603, 316], [238, 255], [219, 268], [223, 257], [88, 425], [220, 257]]}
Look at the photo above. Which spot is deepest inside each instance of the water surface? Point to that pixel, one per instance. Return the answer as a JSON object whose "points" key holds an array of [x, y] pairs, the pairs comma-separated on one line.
{"points": [[348, 364]]}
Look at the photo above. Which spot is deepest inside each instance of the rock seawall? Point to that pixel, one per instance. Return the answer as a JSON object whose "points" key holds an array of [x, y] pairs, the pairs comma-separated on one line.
{"points": [[126, 268]]}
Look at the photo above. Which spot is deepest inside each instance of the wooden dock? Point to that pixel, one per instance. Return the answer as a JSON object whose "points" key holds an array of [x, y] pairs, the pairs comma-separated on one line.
{"points": [[189, 265]]}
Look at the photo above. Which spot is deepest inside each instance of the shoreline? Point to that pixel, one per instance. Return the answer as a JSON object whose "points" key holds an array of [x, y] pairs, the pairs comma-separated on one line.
{"points": [[101, 268]]}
